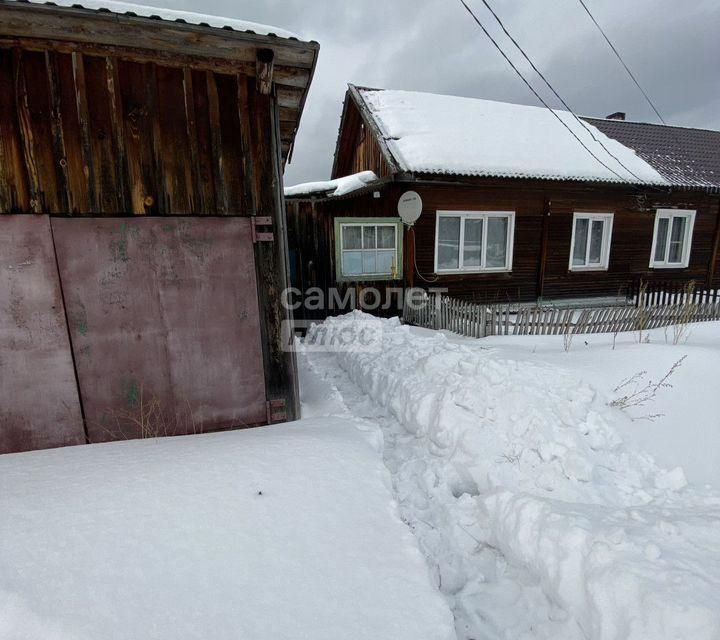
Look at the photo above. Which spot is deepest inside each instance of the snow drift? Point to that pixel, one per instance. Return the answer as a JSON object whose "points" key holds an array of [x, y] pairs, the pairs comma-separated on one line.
{"points": [[536, 519]]}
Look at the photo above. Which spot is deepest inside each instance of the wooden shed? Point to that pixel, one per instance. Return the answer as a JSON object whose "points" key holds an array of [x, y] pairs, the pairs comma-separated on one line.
{"points": [[143, 247], [518, 204]]}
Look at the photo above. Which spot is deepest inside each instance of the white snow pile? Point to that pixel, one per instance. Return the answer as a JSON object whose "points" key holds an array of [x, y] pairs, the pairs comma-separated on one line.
{"points": [[535, 517], [190, 17], [333, 188], [282, 532], [468, 136]]}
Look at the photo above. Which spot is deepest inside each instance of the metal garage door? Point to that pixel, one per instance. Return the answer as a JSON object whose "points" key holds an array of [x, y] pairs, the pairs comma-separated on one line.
{"points": [[163, 316], [39, 405]]}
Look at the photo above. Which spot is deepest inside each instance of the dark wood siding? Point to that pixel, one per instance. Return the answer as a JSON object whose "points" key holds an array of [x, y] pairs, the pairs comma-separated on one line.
{"points": [[357, 148], [95, 124], [102, 135], [539, 209]]}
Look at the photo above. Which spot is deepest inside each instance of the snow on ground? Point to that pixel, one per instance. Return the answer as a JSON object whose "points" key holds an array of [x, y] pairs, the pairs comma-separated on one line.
{"points": [[681, 426], [143, 10], [538, 513], [281, 532], [469, 136], [333, 188]]}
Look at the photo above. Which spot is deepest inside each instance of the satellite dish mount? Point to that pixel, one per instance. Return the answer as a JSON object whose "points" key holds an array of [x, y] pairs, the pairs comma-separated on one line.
{"points": [[409, 207]]}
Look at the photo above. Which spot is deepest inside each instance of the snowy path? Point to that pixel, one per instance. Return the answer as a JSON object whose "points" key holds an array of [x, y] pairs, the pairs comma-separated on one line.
{"points": [[535, 518]]}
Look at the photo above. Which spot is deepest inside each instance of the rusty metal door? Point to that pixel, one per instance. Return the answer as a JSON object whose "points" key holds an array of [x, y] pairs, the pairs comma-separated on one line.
{"points": [[39, 405], [163, 316]]}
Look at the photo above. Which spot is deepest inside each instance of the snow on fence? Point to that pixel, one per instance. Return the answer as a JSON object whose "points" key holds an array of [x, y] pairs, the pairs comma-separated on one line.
{"points": [[477, 320]]}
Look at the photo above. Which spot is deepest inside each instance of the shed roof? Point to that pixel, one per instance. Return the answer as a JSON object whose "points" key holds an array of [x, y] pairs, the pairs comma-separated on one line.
{"points": [[426, 133], [171, 37], [684, 156], [334, 188], [158, 13]]}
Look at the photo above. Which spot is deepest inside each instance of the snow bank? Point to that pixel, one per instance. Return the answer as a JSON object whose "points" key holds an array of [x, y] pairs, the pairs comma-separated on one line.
{"points": [[333, 188], [537, 520], [680, 426], [468, 136], [173, 14], [282, 532]]}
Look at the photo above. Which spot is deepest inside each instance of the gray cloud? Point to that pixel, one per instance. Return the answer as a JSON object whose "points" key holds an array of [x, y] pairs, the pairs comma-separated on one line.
{"points": [[432, 45]]}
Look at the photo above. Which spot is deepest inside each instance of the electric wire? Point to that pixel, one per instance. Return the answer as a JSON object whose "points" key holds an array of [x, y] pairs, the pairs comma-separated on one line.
{"points": [[532, 89], [557, 95], [622, 62]]}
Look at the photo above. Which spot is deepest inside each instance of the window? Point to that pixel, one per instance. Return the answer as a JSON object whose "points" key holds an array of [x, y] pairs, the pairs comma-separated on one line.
{"points": [[474, 241], [590, 245], [368, 248], [672, 238]]}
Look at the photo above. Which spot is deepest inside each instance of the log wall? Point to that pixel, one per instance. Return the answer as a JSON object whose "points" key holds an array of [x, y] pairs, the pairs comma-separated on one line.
{"points": [[543, 231]]}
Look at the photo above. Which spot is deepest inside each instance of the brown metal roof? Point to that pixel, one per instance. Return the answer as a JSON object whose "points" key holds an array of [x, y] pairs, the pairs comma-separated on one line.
{"points": [[685, 157]]}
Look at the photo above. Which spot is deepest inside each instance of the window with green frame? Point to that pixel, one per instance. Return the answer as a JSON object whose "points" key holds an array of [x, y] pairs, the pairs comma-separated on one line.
{"points": [[368, 248]]}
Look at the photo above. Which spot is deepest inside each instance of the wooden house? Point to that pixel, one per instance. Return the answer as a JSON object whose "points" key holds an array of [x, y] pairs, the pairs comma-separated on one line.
{"points": [[519, 203], [143, 248]]}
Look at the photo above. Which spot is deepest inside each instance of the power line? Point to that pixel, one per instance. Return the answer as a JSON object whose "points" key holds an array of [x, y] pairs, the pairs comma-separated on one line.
{"points": [[622, 62], [557, 95], [535, 93]]}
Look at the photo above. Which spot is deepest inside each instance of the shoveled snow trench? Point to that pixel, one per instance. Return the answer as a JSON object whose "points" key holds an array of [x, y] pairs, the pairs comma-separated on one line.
{"points": [[536, 520]]}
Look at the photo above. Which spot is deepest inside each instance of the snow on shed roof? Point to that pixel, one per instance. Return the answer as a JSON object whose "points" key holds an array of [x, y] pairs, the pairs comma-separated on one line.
{"points": [[439, 134], [333, 188], [144, 11]]}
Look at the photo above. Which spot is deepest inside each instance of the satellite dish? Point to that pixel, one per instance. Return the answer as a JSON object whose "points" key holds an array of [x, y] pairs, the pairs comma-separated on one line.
{"points": [[409, 207]]}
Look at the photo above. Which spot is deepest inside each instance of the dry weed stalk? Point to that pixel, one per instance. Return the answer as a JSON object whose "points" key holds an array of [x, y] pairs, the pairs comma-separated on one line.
{"points": [[635, 395]]}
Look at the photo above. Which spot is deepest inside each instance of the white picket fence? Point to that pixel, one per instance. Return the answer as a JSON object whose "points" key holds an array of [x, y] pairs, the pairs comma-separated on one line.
{"points": [[477, 320]]}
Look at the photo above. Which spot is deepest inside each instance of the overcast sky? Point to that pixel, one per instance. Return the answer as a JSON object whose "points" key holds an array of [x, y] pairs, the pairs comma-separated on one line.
{"points": [[673, 47]]}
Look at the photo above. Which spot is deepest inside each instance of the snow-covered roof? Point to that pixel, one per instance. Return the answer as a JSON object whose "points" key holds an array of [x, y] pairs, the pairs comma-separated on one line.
{"points": [[144, 11], [333, 188], [439, 134]]}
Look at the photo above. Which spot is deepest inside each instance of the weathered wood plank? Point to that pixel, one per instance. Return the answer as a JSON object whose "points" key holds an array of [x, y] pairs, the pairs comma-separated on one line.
{"points": [[107, 183], [115, 30], [250, 185], [200, 206], [175, 152], [216, 146], [27, 134], [137, 98], [14, 188], [118, 133], [264, 66], [58, 132], [83, 117]]}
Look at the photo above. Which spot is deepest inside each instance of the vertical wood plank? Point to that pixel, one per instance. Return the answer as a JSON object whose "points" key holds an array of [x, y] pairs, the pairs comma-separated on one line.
{"points": [[118, 133], [137, 99], [84, 123], [176, 165], [203, 135], [57, 130], [216, 143], [32, 169], [14, 187], [248, 170], [77, 183], [200, 205]]}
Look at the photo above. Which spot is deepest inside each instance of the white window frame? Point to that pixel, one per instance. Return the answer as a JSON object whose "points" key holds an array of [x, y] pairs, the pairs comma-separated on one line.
{"points": [[477, 215], [343, 223], [670, 215], [607, 219]]}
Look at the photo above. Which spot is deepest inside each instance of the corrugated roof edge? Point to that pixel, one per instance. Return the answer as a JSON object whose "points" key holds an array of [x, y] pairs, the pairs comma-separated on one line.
{"points": [[379, 185], [357, 90], [133, 14], [650, 124]]}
